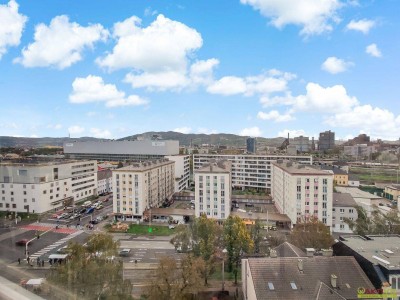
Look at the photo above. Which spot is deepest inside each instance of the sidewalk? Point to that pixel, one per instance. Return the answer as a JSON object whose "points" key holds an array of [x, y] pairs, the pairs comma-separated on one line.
{"points": [[12, 233]]}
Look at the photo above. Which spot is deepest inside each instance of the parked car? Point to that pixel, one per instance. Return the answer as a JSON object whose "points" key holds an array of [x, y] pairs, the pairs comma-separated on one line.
{"points": [[65, 216], [75, 216], [94, 221], [125, 252], [90, 210], [22, 242], [171, 226], [87, 203], [99, 206], [82, 211]]}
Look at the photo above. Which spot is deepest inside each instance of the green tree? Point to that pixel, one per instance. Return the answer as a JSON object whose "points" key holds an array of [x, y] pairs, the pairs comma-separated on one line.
{"points": [[120, 165], [91, 272], [203, 237], [173, 281], [256, 236], [311, 234], [237, 240]]}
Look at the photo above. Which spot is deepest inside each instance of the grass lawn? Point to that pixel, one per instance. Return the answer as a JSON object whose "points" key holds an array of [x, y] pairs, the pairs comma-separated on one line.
{"points": [[144, 230], [217, 275]]}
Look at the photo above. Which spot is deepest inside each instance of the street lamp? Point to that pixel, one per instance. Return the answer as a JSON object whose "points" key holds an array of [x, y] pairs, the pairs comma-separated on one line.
{"points": [[224, 251]]}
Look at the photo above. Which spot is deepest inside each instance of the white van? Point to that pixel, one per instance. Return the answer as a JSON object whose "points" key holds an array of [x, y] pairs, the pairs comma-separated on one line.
{"points": [[87, 204]]}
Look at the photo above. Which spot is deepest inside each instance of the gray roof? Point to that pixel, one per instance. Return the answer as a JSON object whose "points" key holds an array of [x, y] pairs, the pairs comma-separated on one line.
{"points": [[336, 171], [378, 249], [343, 200], [353, 177], [300, 169], [288, 250], [220, 166], [314, 282], [103, 174]]}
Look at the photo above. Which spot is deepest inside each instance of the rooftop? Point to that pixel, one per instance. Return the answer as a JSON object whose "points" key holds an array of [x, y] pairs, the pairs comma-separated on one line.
{"points": [[271, 217], [146, 165], [300, 169], [356, 192], [221, 166], [307, 278], [335, 170], [103, 174], [378, 249], [286, 249], [343, 200], [38, 162]]}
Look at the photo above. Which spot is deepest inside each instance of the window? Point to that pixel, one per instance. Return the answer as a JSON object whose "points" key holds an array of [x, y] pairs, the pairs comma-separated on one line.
{"points": [[298, 196], [271, 286], [341, 226], [325, 181], [299, 188], [33, 199], [14, 205], [351, 210], [25, 200], [342, 210], [293, 286]]}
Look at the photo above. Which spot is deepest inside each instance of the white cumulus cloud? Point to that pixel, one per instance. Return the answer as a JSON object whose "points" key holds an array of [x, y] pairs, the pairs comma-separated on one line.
{"points": [[252, 131], [274, 115], [378, 122], [93, 89], [335, 65], [363, 25], [270, 82], [185, 130], [60, 44], [373, 50], [12, 24], [292, 133], [314, 16], [100, 133], [76, 129]]}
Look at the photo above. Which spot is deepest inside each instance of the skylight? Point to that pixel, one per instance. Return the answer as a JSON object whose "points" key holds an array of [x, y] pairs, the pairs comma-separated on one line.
{"points": [[293, 285], [271, 286]]}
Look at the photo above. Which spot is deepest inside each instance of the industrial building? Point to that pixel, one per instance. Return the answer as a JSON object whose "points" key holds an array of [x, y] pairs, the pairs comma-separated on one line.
{"points": [[326, 140], [251, 145]]}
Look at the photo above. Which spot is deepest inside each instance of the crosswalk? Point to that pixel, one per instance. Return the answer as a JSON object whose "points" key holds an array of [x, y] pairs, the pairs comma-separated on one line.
{"points": [[42, 226], [56, 244]]}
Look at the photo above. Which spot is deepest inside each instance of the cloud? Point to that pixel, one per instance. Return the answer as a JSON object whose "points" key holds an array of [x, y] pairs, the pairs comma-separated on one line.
{"points": [[270, 82], [325, 100], [201, 71], [93, 89], [55, 126], [149, 12], [363, 25], [378, 122], [274, 115], [252, 131], [315, 16], [203, 130], [76, 129], [60, 44], [163, 46], [335, 65], [12, 24], [292, 133], [99, 133], [373, 50], [185, 130]]}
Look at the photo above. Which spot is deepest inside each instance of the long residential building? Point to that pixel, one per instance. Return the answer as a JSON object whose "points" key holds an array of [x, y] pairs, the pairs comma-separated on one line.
{"points": [[213, 190], [40, 186], [141, 186], [302, 192], [249, 171], [121, 150], [182, 171]]}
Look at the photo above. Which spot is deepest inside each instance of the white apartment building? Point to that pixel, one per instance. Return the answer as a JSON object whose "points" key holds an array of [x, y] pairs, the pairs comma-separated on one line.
{"points": [[302, 192], [249, 171], [141, 186], [213, 190], [359, 150], [41, 186], [344, 206], [182, 171], [104, 181]]}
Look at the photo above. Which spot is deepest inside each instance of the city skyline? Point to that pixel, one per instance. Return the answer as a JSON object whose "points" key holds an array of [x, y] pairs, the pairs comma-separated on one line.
{"points": [[247, 67]]}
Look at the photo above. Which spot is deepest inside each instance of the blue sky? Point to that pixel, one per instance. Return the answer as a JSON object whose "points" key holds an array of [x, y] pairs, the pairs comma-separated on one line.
{"points": [[110, 69]]}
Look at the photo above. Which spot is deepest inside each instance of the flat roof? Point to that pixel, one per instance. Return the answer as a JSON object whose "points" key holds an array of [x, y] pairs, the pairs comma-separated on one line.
{"points": [[35, 163], [343, 199], [300, 169], [356, 192], [378, 249], [147, 165], [274, 217], [171, 211]]}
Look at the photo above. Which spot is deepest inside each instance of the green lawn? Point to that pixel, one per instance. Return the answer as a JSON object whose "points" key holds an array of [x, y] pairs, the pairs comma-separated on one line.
{"points": [[155, 230]]}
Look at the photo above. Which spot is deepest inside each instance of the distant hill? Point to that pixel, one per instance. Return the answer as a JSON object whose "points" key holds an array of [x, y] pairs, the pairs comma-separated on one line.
{"points": [[25, 142], [222, 139]]}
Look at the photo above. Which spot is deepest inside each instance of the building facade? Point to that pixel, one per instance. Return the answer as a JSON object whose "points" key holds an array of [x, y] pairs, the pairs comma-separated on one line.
{"points": [[302, 143], [213, 190], [182, 171], [343, 207], [104, 182], [41, 186], [251, 145], [359, 150], [326, 140], [141, 186], [249, 171], [121, 150], [302, 192]]}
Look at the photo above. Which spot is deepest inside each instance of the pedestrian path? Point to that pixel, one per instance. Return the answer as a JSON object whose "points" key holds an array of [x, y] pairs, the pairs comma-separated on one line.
{"points": [[56, 244], [47, 226]]}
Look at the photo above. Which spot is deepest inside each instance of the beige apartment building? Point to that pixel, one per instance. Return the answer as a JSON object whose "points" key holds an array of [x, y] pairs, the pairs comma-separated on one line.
{"points": [[302, 192], [213, 190], [141, 186]]}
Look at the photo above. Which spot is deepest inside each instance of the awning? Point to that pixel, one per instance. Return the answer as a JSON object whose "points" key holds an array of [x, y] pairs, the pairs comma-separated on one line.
{"points": [[58, 256]]}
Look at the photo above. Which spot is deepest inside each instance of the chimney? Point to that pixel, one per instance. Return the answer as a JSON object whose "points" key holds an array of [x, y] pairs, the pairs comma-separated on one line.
{"points": [[327, 252], [300, 265], [334, 281], [273, 254]]}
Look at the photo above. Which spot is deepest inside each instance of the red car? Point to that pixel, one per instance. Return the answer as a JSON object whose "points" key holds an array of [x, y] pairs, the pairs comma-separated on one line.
{"points": [[22, 242]]}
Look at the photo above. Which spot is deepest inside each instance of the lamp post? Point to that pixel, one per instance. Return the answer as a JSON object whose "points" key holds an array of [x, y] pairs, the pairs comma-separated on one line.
{"points": [[224, 251]]}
